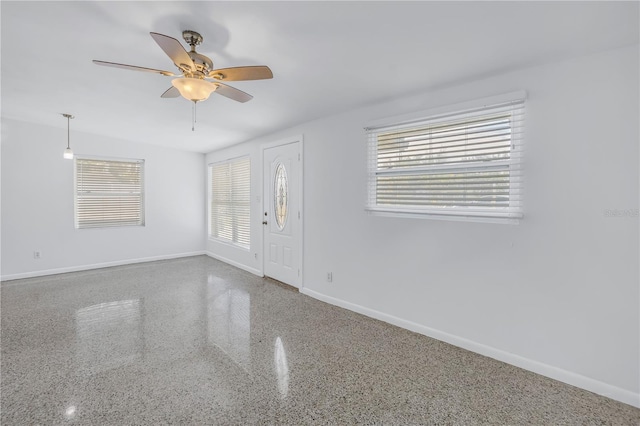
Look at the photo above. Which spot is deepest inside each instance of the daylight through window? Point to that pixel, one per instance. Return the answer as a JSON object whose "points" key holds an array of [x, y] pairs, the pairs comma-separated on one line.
{"points": [[462, 164], [229, 199], [108, 192]]}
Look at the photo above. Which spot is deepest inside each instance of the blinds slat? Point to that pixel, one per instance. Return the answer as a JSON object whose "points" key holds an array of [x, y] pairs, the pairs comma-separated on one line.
{"points": [[467, 134]]}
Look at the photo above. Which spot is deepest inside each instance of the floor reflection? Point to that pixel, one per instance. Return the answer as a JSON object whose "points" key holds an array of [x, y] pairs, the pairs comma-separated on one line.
{"points": [[229, 320], [70, 412], [109, 335], [282, 368]]}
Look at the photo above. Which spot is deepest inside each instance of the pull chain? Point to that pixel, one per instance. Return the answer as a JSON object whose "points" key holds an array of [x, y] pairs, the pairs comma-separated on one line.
{"points": [[193, 116]]}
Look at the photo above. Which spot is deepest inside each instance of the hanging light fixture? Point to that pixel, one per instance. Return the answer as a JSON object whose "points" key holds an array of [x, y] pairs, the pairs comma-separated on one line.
{"points": [[68, 154]]}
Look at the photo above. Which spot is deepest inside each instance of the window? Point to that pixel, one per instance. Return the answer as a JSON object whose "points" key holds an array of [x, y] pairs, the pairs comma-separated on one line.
{"points": [[229, 197], [462, 164], [281, 197], [109, 192]]}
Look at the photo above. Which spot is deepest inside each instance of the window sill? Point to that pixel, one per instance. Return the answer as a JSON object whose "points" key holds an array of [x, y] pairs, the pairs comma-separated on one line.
{"points": [[228, 243], [111, 226], [510, 218]]}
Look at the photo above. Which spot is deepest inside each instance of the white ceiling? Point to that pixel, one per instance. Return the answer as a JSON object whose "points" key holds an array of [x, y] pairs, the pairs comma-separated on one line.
{"points": [[326, 57]]}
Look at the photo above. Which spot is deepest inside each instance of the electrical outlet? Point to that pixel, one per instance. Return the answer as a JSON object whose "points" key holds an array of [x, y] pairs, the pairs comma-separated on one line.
{"points": [[36, 254], [329, 277]]}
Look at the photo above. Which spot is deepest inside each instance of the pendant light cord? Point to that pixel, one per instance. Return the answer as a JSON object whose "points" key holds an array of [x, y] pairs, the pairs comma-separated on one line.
{"points": [[68, 118]]}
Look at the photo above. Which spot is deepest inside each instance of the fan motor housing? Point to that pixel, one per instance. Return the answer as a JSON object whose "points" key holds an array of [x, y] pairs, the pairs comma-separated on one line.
{"points": [[202, 63]]}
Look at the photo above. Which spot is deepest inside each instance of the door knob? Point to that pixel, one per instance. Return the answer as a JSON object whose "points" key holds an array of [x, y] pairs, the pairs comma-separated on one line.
{"points": [[264, 222]]}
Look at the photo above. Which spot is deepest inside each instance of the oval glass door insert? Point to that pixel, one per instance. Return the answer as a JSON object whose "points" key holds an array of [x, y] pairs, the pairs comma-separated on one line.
{"points": [[281, 192]]}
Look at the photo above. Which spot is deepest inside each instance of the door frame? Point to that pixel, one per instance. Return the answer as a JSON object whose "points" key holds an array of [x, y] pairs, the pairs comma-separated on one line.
{"points": [[286, 141]]}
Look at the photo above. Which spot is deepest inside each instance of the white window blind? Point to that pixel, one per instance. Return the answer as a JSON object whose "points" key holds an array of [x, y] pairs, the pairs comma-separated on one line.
{"points": [[459, 164], [230, 205], [108, 192]]}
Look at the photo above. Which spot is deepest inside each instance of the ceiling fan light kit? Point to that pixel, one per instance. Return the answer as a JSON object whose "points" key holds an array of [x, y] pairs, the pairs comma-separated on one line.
{"points": [[196, 70], [193, 89]]}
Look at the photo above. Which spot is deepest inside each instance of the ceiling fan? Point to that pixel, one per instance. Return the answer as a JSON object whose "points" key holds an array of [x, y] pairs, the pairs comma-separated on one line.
{"points": [[197, 78]]}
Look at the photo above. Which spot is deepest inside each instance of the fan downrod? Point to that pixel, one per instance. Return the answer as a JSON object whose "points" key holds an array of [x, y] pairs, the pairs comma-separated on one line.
{"points": [[192, 38]]}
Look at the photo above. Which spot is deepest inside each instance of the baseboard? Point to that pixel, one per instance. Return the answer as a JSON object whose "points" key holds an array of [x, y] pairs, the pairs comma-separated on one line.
{"points": [[96, 266], [254, 271], [550, 371]]}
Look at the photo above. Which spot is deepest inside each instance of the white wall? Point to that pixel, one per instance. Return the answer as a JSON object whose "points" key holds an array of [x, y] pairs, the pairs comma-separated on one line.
{"points": [[37, 203], [557, 294]]}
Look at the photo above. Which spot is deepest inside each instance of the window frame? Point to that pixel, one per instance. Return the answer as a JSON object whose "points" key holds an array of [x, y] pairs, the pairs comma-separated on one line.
{"points": [[514, 102], [210, 204], [76, 189]]}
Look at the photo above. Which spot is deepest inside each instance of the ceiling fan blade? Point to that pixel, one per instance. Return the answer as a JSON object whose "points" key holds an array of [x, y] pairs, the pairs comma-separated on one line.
{"points": [[171, 92], [259, 72], [232, 93], [173, 48], [132, 67]]}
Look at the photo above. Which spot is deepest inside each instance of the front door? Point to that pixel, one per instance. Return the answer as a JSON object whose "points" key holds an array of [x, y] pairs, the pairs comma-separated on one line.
{"points": [[281, 213]]}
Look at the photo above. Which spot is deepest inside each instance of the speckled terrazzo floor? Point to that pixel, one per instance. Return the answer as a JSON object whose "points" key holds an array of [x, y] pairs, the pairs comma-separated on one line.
{"points": [[195, 341]]}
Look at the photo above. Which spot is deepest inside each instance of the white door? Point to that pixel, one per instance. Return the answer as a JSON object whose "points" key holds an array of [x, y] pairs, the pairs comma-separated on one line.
{"points": [[281, 213]]}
